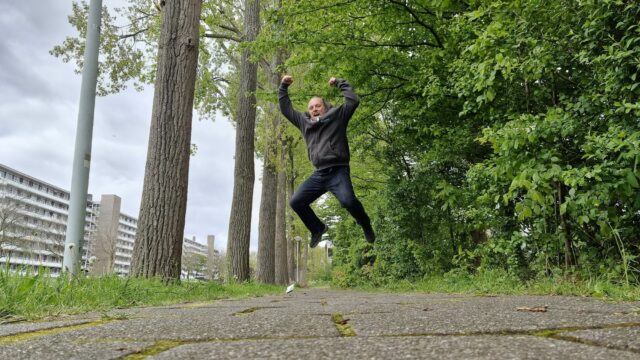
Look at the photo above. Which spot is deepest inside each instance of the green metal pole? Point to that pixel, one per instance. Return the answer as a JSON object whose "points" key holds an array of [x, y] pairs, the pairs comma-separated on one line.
{"points": [[82, 153]]}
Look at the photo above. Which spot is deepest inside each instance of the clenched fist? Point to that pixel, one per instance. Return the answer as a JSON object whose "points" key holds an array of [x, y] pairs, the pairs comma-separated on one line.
{"points": [[287, 80]]}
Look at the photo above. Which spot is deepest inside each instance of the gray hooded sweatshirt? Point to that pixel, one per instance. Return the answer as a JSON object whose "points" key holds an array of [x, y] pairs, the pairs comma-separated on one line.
{"points": [[326, 139]]}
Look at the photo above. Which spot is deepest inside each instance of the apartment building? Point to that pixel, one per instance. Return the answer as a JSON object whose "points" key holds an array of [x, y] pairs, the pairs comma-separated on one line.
{"points": [[33, 220], [194, 256], [112, 242]]}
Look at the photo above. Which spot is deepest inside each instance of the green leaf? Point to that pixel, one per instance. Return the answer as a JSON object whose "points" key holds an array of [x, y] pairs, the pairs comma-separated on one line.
{"points": [[490, 95], [536, 196], [563, 208], [632, 180]]}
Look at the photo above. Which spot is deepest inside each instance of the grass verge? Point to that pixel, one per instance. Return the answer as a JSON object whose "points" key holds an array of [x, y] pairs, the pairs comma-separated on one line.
{"points": [[497, 282], [31, 297]]}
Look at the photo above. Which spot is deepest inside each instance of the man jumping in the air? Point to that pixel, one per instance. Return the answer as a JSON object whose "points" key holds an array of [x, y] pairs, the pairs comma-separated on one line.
{"points": [[324, 129]]}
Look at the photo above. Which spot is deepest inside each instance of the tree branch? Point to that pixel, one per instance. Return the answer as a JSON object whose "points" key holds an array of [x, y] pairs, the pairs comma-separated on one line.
{"points": [[322, 8], [222, 36], [231, 28], [372, 44], [125, 36], [220, 78], [233, 58], [377, 90], [418, 20]]}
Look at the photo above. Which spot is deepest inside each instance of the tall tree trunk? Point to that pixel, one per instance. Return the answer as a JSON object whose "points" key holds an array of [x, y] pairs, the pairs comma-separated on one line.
{"points": [[243, 176], [303, 265], [291, 242], [569, 258], [289, 145], [158, 247], [291, 230], [282, 273], [303, 248], [275, 142], [268, 201], [454, 247]]}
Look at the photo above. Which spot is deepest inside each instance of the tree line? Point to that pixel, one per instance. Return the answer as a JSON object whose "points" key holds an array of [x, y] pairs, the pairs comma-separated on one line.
{"points": [[491, 134]]}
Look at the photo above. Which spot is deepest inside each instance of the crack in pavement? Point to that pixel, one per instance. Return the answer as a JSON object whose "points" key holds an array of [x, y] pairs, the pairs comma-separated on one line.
{"points": [[28, 335]]}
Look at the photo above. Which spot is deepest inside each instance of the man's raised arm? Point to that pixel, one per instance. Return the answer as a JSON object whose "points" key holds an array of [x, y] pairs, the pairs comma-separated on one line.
{"points": [[351, 100], [286, 108]]}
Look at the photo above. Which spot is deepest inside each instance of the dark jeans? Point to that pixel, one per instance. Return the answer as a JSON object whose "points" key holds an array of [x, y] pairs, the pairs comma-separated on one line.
{"points": [[336, 179]]}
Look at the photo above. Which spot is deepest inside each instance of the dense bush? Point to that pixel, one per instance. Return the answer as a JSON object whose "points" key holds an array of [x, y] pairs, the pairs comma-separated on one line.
{"points": [[491, 134]]}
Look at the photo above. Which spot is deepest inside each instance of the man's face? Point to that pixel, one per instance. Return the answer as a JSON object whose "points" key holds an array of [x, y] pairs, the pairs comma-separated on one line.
{"points": [[316, 107]]}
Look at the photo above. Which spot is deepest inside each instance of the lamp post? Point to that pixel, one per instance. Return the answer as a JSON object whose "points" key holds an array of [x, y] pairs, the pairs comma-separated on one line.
{"points": [[298, 239], [82, 153]]}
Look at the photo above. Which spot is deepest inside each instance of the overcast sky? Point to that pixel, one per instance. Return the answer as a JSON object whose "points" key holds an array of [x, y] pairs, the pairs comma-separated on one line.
{"points": [[39, 97]]}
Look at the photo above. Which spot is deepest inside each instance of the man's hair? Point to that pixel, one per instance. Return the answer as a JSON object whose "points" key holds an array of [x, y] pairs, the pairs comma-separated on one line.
{"points": [[327, 105]]}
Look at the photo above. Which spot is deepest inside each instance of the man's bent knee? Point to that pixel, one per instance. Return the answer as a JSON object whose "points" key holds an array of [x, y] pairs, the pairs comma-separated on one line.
{"points": [[349, 203], [293, 203], [296, 203]]}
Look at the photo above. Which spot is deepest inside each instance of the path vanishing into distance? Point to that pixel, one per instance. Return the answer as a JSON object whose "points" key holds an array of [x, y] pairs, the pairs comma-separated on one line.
{"points": [[329, 323]]}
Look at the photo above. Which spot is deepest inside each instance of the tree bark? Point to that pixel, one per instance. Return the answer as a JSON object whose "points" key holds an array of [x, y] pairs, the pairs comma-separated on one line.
{"points": [[240, 218], [268, 200], [158, 246], [291, 242], [282, 273], [569, 258], [266, 228], [303, 265], [292, 174]]}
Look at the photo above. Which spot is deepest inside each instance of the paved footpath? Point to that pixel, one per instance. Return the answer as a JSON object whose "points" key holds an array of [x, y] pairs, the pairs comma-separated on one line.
{"points": [[341, 324]]}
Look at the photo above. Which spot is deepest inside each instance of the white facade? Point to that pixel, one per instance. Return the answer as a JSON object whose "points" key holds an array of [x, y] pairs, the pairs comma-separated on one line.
{"points": [[33, 221], [127, 228], [191, 249], [192, 246]]}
